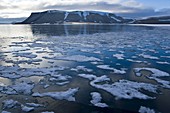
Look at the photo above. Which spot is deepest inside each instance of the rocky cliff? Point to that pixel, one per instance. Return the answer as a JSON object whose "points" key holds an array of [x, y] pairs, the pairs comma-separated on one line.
{"points": [[59, 17]]}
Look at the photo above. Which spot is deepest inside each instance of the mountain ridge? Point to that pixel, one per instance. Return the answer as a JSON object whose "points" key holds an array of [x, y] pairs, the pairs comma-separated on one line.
{"points": [[58, 17], [62, 17]]}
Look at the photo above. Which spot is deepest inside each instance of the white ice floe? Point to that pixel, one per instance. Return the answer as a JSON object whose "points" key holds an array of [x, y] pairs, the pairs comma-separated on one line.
{"points": [[63, 95], [80, 58], [155, 75], [46, 86], [7, 104], [87, 76], [165, 56], [146, 110], [162, 62], [23, 88], [18, 88], [25, 54], [119, 56], [59, 77], [47, 112], [94, 63], [107, 67], [155, 72], [5, 112], [86, 50], [124, 89], [62, 83], [83, 68], [149, 56], [131, 60], [34, 105], [165, 84], [96, 100], [26, 108]]}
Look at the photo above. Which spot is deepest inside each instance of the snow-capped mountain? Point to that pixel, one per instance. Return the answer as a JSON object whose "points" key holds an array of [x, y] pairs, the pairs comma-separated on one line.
{"points": [[58, 17]]}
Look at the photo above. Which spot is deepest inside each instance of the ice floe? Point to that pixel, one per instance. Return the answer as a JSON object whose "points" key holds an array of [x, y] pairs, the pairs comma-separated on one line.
{"points": [[87, 76], [23, 88], [62, 95], [5, 112], [163, 62], [107, 67], [96, 100], [146, 110], [81, 68], [80, 58], [156, 74], [7, 104], [25, 54], [119, 56], [19, 88], [34, 105], [125, 89], [26, 108], [149, 56], [137, 61], [47, 112]]}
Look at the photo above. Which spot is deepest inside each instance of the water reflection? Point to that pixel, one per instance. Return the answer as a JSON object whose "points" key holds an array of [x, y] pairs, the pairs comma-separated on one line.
{"points": [[15, 31], [58, 30]]}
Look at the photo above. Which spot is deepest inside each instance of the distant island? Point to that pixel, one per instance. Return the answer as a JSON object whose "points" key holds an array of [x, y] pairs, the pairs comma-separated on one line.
{"points": [[62, 17]]}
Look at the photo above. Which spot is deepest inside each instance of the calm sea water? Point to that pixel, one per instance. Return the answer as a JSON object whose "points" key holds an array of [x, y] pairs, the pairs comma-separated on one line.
{"points": [[34, 54]]}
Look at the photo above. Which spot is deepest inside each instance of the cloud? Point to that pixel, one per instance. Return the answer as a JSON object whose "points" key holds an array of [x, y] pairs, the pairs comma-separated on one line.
{"points": [[23, 8]]}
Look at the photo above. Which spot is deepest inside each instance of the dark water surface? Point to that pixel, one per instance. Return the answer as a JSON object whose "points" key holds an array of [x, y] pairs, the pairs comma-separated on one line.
{"points": [[45, 56]]}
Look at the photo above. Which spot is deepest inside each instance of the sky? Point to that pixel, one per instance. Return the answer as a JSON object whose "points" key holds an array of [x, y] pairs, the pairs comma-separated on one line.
{"points": [[11, 9]]}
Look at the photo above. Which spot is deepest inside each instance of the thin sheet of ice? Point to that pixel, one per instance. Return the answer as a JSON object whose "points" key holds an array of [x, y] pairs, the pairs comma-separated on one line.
{"points": [[119, 56], [7, 104], [23, 88], [125, 89], [162, 62], [25, 54], [87, 76], [19, 88], [96, 100], [34, 104], [107, 67], [80, 58], [47, 112], [165, 84], [63, 95], [137, 61], [14, 72], [149, 56], [83, 68], [155, 72], [26, 108], [146, 110], [5, 112], [62, 83], [60, 77]]}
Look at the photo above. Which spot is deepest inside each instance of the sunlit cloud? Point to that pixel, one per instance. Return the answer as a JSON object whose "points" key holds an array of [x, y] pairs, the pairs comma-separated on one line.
{"points": [[23, 8]]}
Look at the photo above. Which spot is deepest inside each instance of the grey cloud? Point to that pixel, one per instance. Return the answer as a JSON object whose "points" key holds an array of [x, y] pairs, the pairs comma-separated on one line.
{"points": [[2, 7], [119, 9], [96, 6]]}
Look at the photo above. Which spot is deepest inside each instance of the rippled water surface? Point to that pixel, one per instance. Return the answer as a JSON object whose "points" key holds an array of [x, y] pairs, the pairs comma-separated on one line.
{"points": [[84, 68]]}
